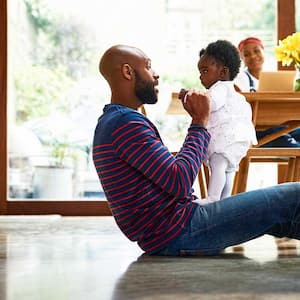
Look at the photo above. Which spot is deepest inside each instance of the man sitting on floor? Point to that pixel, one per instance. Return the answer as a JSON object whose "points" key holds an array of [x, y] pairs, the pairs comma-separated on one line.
{"points": [[149, 191]]}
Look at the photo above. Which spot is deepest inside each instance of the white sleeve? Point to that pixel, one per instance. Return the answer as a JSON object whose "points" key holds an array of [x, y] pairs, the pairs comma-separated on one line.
{"points": [[217, 96], [242, 82]]}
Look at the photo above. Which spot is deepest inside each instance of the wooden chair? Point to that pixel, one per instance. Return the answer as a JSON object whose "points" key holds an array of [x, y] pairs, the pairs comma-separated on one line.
{"points": [[278, 155], [271, 109]]}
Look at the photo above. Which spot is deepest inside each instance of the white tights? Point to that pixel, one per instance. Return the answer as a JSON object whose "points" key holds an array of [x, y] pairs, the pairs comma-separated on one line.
{"points": [[220, 180]]}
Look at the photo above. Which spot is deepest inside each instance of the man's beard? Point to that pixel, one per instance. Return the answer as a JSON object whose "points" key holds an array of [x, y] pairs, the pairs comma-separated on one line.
{"points": [[144, 90]]}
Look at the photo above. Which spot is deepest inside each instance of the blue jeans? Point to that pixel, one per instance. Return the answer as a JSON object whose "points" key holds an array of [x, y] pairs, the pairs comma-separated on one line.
{"points": [[240, 218], [290, 140]]}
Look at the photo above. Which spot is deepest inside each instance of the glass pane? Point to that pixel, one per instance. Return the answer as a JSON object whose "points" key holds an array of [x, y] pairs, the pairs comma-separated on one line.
{"points": [[297, 15], [55, 93]]}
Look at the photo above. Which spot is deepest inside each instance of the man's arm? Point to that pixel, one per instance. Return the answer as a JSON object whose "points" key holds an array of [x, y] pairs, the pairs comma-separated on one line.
{"points": [[137, 143]]}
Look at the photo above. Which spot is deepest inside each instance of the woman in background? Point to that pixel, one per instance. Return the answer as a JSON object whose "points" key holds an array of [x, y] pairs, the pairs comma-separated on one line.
{"points": [[252, 54]]}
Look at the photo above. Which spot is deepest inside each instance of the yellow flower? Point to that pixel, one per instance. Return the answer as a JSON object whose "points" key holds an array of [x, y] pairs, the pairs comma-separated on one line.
{"points": [[288, 50]]}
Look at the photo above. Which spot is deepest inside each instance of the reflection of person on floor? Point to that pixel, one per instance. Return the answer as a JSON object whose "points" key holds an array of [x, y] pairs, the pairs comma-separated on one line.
{"points": [[251, 51], [230, 123], [149, 191], [152, 277]]}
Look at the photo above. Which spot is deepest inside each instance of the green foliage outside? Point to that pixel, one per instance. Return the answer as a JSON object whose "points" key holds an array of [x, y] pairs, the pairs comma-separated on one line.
{"points": [[39, 92], [65, 42], [62, 55], [39, 14], [60, 40]]}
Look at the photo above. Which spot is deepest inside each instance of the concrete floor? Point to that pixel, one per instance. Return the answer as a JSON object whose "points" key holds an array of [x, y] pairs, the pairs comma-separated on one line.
{"points": [[50, 257]]}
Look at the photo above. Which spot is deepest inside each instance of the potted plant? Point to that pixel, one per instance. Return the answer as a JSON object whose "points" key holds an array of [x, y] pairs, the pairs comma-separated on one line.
{"points": [[55, 180]]}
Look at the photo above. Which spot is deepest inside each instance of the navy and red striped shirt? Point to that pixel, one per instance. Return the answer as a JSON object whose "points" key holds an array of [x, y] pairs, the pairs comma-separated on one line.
{"points": [[149, 190]]}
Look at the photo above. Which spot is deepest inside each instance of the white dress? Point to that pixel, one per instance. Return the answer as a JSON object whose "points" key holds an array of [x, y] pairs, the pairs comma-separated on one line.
{"points": [[230, 123]]}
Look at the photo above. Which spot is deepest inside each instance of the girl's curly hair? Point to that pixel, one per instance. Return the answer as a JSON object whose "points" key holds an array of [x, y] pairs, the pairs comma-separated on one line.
{"points": [[224, 53]]}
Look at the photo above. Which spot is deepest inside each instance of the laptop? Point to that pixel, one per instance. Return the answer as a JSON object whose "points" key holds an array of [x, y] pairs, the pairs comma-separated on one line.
{"points": [[279, 81]]}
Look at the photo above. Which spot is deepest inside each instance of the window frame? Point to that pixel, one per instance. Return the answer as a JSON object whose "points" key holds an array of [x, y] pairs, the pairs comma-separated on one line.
{"points": [[285, 26]]}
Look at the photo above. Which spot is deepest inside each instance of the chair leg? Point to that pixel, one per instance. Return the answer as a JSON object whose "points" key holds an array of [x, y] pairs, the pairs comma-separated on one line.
{"points": [[282, 172], [291, 169], [202, 182], [241, 178], [235, 183], [297, 169]]}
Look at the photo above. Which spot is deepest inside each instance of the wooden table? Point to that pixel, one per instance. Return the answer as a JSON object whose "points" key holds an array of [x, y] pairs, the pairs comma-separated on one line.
{"points": [[272, 109]]}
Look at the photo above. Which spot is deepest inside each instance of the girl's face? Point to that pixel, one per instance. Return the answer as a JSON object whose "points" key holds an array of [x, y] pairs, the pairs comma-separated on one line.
{"points": [[253, 56], [210, 71]]}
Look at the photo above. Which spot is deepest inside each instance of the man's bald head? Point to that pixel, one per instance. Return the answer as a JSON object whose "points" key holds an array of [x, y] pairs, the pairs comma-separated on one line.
{"points": [[130, 76], [115, 57]]}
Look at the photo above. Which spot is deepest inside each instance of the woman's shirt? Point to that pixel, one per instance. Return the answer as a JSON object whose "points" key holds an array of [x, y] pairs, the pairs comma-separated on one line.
{"points": [[244, 80]]}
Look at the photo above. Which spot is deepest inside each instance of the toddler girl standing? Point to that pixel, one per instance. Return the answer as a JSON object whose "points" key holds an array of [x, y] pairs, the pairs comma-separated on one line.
{"points": [[230, 124]]}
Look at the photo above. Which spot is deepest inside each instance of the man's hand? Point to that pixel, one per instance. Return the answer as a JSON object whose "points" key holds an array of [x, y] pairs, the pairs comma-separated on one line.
{"points": [[197, 104]]}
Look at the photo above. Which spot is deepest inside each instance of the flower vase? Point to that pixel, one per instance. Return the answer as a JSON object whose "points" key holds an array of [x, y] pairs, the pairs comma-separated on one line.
{"points": [[297, 81]]}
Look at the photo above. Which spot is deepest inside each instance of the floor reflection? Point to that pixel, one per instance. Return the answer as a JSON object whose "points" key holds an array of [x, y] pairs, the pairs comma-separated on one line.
{"points": [[89, 258], [230, 275]]}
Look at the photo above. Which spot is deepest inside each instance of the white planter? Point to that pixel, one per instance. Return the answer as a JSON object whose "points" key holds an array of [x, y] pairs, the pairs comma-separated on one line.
{"points": [[53, 183]]}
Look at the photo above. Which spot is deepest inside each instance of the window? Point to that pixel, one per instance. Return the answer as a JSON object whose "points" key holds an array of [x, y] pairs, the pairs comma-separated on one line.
{"points": [[297, 4], [55, 93]]}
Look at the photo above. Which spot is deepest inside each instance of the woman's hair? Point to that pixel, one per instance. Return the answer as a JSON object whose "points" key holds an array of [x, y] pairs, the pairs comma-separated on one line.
{"points": [[224, 53]]}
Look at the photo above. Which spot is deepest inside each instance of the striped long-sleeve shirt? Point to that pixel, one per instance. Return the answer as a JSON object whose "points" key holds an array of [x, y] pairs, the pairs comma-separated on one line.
{"points": [[149, 191]]}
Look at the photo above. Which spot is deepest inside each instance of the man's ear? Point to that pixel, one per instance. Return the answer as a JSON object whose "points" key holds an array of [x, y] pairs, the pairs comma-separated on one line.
{"points": [[127, 71]]}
